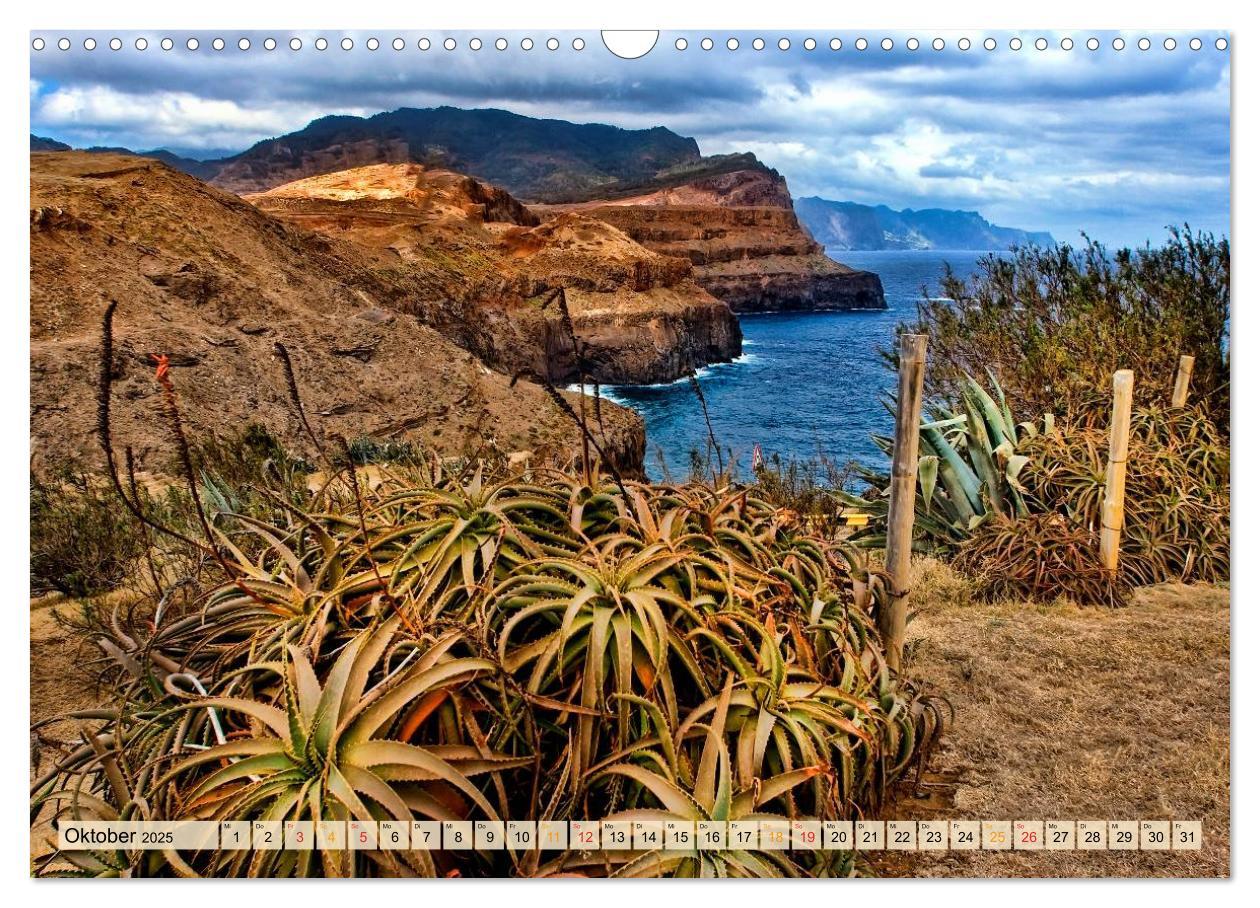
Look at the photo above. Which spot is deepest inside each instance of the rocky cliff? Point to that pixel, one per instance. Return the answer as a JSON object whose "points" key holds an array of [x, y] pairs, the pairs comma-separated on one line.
{"points": [[489, 270], [214, 283], [742, 236]]}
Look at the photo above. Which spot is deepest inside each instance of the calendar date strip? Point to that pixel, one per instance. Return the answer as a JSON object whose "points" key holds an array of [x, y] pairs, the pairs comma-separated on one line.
{"points": [[637, 836]]}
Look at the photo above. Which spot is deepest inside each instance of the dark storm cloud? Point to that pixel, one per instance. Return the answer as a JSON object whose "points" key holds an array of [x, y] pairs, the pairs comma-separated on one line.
{"points": [[1117, 143]]}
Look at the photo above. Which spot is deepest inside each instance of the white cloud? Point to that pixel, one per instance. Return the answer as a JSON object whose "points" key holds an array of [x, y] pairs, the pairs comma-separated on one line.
{"points": [[1055, 140], [179, 119]]}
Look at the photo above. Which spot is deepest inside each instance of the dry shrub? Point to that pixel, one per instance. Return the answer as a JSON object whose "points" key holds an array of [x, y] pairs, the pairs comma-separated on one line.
{"points": [[936, 581], [1040, 559], [1177, 487], [82, 543], [1054, 323]]}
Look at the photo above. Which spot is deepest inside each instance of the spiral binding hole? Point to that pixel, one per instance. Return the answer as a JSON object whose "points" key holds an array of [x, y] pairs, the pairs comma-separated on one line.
{"points": [[732, 43]]}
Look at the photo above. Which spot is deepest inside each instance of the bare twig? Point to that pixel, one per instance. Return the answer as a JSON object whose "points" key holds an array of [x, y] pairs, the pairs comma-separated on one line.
{"points": [[579, 361], [704, 408], [144, 529], [388, 597], [567, 409], [163, 376], [282, 352], [104, 431]]}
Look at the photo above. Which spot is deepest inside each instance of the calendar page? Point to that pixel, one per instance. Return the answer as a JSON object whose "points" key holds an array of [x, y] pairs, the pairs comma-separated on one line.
{"points": [[539, 453]]}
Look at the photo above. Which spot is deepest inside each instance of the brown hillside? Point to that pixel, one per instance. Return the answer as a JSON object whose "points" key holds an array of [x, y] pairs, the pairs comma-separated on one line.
{"points": [[426, 195], [639, 314], [753, 188], [209, 280]]}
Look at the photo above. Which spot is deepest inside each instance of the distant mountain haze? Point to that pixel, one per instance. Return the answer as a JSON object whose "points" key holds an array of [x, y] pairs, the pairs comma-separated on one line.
{"points": [[201, 169], [849, 225]]}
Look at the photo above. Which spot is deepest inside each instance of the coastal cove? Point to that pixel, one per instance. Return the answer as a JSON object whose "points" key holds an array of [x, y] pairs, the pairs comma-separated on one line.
{"points": [[807, 383]]}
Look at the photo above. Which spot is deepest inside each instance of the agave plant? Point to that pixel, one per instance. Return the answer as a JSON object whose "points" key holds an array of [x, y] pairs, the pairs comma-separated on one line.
{"points": [[970, 467], [1048, 484]]}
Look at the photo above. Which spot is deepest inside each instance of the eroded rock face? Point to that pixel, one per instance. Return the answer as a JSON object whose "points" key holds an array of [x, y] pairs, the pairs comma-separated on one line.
{"points": [[271, 163], [744, 240], [491, 270], [213, 283], [659, 338], [778, 283]]}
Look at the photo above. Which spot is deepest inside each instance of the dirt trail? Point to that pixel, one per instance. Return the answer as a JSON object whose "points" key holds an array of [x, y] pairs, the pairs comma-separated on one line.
{"points": [[1070, 713]]}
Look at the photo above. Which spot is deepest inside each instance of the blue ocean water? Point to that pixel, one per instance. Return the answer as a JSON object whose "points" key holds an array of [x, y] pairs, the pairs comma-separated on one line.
{"points": [[806, 383]]}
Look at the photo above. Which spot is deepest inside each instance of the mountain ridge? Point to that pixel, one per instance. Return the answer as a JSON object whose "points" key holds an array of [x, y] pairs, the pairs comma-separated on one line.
{"points": [[536, 159], [854, 226], [729, 215], [533, 158]]}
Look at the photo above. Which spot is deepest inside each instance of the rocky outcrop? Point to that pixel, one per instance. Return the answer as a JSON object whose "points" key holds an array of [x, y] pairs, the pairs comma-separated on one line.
{"points": [[744, 182], [490, 273], [214, 283], [411, 192], [760, 260], [776, 283], [743, 238]]}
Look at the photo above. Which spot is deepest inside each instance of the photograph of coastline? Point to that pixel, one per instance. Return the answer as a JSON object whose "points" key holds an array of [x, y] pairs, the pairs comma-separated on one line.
{"points": [[487, 436]]}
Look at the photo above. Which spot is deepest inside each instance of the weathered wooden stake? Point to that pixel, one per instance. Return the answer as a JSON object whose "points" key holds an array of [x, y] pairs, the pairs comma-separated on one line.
{"points": [[905, 473], [1181, 388], [1112, 518]]}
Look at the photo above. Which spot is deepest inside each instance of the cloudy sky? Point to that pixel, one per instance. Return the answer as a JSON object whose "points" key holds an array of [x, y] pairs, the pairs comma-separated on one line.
{"points": [[1115, 143]]}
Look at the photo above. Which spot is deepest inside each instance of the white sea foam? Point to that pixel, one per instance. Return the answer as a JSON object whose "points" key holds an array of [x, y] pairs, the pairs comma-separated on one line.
{"points": [[605, 392], [609, 392]]}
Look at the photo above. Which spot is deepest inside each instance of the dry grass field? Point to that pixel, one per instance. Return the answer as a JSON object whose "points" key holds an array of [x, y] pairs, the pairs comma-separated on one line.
{"points": [[1071, 713]]}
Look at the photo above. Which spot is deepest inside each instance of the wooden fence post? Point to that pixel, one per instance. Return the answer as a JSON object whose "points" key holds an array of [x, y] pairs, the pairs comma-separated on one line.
{"points": [[905, 474], [1181, 388], [1111, 520]]}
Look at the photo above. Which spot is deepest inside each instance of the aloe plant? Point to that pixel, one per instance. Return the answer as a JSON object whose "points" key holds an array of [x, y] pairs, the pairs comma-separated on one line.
{"points": [[471, 646]]}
